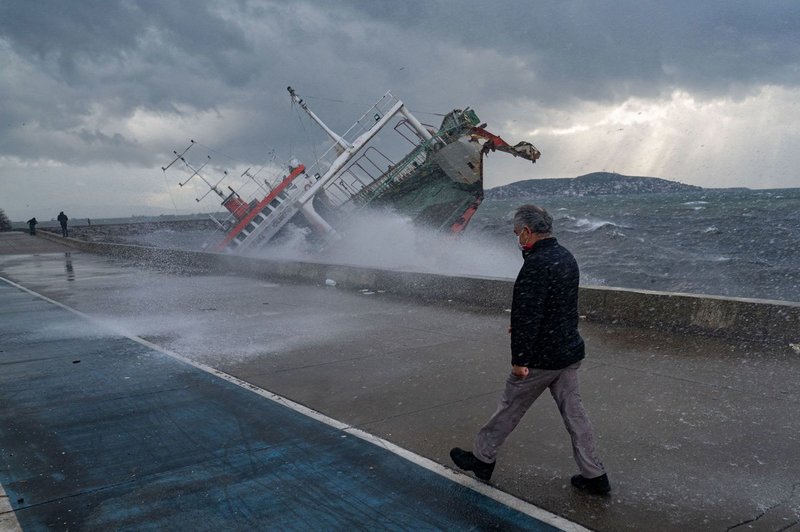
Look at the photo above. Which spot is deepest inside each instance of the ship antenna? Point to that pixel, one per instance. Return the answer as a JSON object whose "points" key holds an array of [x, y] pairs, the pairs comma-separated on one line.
{"points": [[196, 173], [178, 156]]}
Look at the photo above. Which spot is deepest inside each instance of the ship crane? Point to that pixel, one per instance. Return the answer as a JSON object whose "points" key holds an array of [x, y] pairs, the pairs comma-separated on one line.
{"points": [[523, 149]]}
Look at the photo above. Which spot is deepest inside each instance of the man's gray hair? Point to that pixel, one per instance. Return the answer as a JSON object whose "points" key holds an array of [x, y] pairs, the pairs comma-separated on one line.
{"points": [[535, 218]]}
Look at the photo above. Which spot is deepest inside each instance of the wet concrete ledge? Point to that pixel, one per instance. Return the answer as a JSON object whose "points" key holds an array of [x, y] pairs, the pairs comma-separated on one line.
{"points": [[751, 319]]}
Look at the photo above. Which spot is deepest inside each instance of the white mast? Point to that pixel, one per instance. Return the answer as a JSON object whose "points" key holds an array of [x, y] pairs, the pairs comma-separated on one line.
{"points": [[340, 142]]}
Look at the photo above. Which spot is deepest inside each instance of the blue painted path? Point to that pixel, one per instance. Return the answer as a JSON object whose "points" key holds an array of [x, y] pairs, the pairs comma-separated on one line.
{"points": [[98, 432]]}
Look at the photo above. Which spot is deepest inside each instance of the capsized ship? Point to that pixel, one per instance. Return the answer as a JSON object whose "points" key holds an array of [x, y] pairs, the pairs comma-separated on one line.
{"points": [[437, 183]]}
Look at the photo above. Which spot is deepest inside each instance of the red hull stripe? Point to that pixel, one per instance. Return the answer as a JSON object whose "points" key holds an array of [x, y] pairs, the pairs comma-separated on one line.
{"points": [[263, 203]]}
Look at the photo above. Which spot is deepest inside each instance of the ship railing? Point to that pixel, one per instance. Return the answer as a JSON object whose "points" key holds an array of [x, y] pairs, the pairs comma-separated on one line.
{"points": [[361, 174], [339, 191], [350, 183], [372, 115], [323, 162], [407, 166], [358, 194], [395, 175], [359, 127]]}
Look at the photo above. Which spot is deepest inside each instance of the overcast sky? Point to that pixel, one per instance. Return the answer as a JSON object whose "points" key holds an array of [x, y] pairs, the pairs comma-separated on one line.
{"points": [[95, 94]]}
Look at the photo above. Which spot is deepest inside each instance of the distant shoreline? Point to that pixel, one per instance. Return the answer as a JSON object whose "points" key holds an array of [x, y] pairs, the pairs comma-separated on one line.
{"points": [[601, 184], [593, 184]]}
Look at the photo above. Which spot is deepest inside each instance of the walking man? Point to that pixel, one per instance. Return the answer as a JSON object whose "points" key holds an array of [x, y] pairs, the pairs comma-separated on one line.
{"points": [[546, 351], [32, 225], [62, 219]]}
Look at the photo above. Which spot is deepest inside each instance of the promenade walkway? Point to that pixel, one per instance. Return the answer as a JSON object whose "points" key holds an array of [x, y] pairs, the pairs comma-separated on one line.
{"points": [[115, 418]]}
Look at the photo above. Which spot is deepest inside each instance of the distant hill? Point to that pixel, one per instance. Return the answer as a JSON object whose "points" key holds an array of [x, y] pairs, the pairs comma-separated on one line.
{"points": [[594, 184]]}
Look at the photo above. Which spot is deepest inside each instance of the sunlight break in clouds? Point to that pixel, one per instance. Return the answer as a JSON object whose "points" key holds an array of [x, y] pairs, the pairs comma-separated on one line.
{"points": [[707, 142]]}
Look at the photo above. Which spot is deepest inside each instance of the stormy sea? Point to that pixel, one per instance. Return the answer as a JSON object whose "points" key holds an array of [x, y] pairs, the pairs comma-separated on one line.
{"points": [[726, 242], [729, 242]]}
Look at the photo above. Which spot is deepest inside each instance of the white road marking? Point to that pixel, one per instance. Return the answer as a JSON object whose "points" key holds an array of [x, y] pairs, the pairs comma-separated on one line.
{"points": [[8, 519]]}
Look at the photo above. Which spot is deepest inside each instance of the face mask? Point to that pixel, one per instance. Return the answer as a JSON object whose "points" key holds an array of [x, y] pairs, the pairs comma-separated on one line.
{"points": [[523, 247]]}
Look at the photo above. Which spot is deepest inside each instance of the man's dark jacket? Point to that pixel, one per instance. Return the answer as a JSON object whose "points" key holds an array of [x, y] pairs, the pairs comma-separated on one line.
{"points": [[544, 311]]}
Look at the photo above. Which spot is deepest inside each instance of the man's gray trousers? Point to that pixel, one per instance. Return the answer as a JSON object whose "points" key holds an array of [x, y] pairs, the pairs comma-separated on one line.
{"points": [[519, 395]]}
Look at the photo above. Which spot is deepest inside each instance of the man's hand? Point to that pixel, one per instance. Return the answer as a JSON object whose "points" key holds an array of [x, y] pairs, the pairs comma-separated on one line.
{"points": [[519, 371]]}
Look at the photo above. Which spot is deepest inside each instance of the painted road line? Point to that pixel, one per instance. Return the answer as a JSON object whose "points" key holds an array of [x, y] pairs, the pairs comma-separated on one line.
{"points": [[490, 492], [8, 520]]}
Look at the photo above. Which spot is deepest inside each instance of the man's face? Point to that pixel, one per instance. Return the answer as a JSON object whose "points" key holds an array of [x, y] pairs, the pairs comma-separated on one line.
{"points": [[523, 235]]}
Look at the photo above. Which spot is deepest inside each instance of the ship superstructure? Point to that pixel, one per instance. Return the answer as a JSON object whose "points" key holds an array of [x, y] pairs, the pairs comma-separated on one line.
{"points": [[438, 183]]}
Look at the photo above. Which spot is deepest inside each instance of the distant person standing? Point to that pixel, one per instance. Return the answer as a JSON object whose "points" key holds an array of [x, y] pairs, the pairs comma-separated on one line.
{"points": [[62, 219], [32, 225], [546, 351]]}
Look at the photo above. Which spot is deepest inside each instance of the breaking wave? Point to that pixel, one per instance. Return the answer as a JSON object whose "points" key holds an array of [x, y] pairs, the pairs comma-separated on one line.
{"points": [[585, 225]]}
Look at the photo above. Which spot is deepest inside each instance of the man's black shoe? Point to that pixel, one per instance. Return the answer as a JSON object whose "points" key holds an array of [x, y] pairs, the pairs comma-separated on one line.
{"points": [[595, 486], [468, 462]]}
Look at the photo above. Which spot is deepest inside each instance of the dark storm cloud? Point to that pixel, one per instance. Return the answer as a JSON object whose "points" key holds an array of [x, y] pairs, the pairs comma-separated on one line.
{"points": [[102, 46], [610, 49], [75, 56], [170, 57], [69, 59]]}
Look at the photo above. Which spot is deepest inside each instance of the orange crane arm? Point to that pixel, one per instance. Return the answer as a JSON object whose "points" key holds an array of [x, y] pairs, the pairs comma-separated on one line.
{"points": [[523, 149]]}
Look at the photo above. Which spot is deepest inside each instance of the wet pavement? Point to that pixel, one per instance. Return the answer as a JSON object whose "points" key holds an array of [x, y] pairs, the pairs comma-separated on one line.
{"points": [[696, 433]]}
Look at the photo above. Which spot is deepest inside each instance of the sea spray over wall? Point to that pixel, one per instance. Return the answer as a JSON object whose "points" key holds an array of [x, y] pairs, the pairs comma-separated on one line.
{"points": [[376, 240]]}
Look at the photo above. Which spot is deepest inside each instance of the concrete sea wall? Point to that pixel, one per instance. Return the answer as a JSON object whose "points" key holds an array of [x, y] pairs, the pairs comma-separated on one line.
{"points": [[748, 319]]}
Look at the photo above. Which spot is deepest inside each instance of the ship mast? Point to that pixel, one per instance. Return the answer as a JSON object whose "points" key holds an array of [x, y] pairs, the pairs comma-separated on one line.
{"points": [[341, 143]]}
